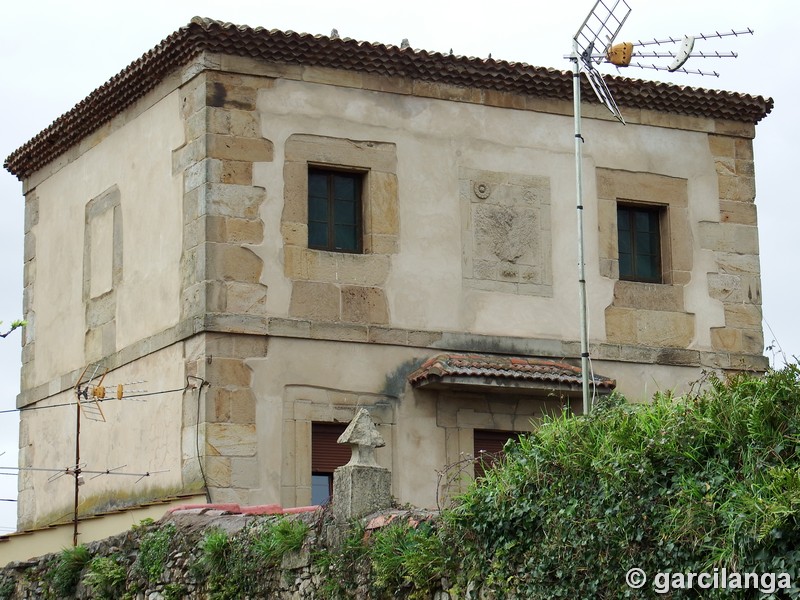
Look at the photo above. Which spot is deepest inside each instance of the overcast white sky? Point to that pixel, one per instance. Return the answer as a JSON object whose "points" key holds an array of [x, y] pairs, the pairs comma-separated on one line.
{"points": [[54, 53]]}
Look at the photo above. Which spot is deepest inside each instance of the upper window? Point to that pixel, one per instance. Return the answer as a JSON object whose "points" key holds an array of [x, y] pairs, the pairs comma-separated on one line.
{"points": [[334, 210], [639, 242]]}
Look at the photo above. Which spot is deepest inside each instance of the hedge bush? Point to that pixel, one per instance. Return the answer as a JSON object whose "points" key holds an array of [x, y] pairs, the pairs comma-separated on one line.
{"points": [[700, 483]]}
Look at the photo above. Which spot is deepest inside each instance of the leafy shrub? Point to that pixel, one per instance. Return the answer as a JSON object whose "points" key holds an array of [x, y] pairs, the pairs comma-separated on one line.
{"points": [[280, 537], [341, 566], [106, 577], [710, 480], [154, 550], [407, 561], [7, 587], [66, 573]]}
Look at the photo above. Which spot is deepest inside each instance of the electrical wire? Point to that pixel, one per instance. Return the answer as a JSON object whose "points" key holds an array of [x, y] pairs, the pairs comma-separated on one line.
{"points": [[197, 436], [141, 395]]}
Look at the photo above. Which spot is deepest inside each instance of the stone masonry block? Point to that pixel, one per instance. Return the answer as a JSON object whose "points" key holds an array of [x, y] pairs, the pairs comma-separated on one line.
{"points": [[381, 244], [383, 209], [247, 298], [228, 372], [188, 154], [729, 237], [744, 149], [193, 96], [360, 490], [31, 211], [745, 167], [245, 473], [388, 335], [237, 172], [725, 166], [230, 94], [743, 316], [359, 269], [231, 405], [238, 148], [738, 187], [752, 341], [333, 76], [734, 263], [231, 439], [29, 247], [742, 213], [244, 231], [315, 300], [196, 126], [649, 296], [722, 146], [235, 346], [664, 329], [232, 262], [294, 234], [201, 172], [218, 470], [734, 289], [339, 331], [364, 305], [620, 325], [727, 340], [446, 92], [376, 156], [735, 128], [295, 185]]}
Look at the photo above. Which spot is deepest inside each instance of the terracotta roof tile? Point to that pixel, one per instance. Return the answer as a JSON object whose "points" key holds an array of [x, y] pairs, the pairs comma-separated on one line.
{"points": [[289, 47], [520, 368]]}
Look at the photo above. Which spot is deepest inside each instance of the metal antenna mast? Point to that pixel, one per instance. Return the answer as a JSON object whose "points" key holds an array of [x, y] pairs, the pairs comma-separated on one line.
{"points": [[596, 34], [594, 44]]}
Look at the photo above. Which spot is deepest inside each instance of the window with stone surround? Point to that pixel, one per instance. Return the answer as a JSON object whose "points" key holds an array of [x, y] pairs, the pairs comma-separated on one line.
{"points": [[326, 455], [337, 284], [652, 312], [334, 210], [639, 242]]}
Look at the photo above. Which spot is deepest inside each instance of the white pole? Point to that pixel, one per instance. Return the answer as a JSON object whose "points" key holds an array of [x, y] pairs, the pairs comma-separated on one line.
{"points": [[576, 94]]}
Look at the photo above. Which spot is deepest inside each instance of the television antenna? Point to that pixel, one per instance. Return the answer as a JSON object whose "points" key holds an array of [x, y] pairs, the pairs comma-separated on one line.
{"points": [[592, 45]]}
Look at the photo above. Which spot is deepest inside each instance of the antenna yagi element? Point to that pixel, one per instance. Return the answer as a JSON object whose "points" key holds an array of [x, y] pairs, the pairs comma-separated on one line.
{"points": [[621, 54], [592, 43]]}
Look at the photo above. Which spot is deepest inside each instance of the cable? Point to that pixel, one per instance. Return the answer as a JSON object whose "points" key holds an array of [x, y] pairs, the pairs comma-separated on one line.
{"points": [[143, 394], [197, 436]]}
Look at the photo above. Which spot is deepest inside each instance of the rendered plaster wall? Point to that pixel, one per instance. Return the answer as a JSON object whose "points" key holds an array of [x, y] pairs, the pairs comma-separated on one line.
{"points": [[479, 222], [102, 247], [139, 435]]}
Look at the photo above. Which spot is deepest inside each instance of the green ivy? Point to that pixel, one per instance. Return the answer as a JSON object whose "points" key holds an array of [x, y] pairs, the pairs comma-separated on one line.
{"points": [[65, 573], [708, 480], [106, 577], [154, 550], [7, 587]]}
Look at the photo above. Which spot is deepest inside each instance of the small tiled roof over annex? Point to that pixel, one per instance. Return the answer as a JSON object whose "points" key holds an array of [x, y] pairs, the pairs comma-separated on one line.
{"points": [[206, 35], [492, 366]]}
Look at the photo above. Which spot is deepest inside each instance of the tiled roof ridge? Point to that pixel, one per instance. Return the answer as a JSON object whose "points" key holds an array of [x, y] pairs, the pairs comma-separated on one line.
{"points": [[288, 47]]}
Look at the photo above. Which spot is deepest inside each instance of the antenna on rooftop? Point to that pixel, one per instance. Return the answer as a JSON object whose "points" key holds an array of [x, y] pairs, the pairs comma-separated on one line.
{"points": [[589, 45], [592, 45], [621, 55]]}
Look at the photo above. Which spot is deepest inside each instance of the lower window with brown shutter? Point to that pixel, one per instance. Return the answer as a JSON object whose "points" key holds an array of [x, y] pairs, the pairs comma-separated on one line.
{"points": [[488, 446], [326, 455]]}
